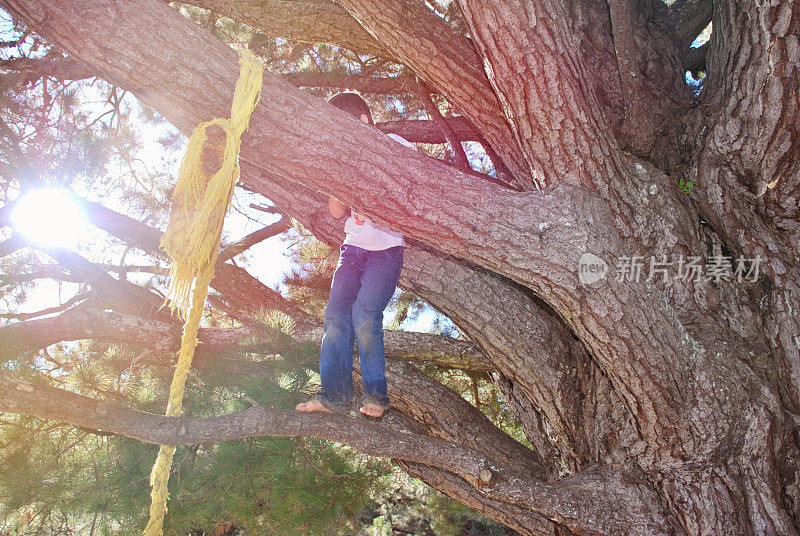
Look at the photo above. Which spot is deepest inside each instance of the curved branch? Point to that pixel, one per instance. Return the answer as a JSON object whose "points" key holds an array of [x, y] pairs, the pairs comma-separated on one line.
{"points": [[597, 501], [438, 409], [435, 408], [19, 396], [84, 323], [234, 283], [444, 414], [513, 516]]}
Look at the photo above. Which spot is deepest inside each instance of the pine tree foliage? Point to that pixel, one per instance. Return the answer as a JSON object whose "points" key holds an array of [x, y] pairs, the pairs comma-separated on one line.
{"points": [[54, 475]]}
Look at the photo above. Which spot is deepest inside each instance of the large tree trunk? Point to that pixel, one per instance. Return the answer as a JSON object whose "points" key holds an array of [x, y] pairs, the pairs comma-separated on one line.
{"points": [[673, 404]]}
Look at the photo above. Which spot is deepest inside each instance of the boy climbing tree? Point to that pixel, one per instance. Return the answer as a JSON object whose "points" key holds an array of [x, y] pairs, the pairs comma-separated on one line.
{"points": [[370, 262]]}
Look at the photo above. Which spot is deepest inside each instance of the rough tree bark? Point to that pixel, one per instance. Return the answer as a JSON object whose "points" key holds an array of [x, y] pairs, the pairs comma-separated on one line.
{"points": [[674, 404]]}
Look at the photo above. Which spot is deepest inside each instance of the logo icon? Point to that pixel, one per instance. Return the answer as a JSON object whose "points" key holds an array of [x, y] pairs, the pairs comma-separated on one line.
{"points": [[591, 269]]}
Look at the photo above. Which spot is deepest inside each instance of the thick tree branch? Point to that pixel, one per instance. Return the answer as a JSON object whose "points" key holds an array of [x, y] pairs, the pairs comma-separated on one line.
{"points": [[688, 18], [235, 284], [315, 142], [305, 21], [747, 135], [446, 61], [589, 502], [439, 410], [86, 323], [123, 296], [13, 244], [515, 517], [423, 131], [32, 69], [639, 126], [48, 402], [363, 84], [444, 414]]}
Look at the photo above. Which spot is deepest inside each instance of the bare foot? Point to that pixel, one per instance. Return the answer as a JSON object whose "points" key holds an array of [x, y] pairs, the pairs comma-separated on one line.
{"points": [[312, 405], [372, 410]]}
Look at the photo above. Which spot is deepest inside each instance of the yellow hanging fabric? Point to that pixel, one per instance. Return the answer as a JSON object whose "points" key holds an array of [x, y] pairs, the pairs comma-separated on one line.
{"points": [[192, 242]]}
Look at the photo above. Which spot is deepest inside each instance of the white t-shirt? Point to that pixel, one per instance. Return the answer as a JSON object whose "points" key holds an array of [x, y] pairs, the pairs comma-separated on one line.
{"points": [[364, 233]]}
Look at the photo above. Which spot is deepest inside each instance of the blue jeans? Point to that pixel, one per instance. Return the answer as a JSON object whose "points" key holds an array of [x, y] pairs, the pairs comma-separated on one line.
{"points": [[362, 286]]}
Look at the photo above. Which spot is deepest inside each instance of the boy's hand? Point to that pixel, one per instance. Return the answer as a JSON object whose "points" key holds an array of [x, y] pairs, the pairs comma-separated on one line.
{"points": [[337, 208]]}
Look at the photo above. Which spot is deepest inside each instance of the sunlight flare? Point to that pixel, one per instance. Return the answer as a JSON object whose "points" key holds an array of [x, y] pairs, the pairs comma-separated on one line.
{"points": [[50, 218]]}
